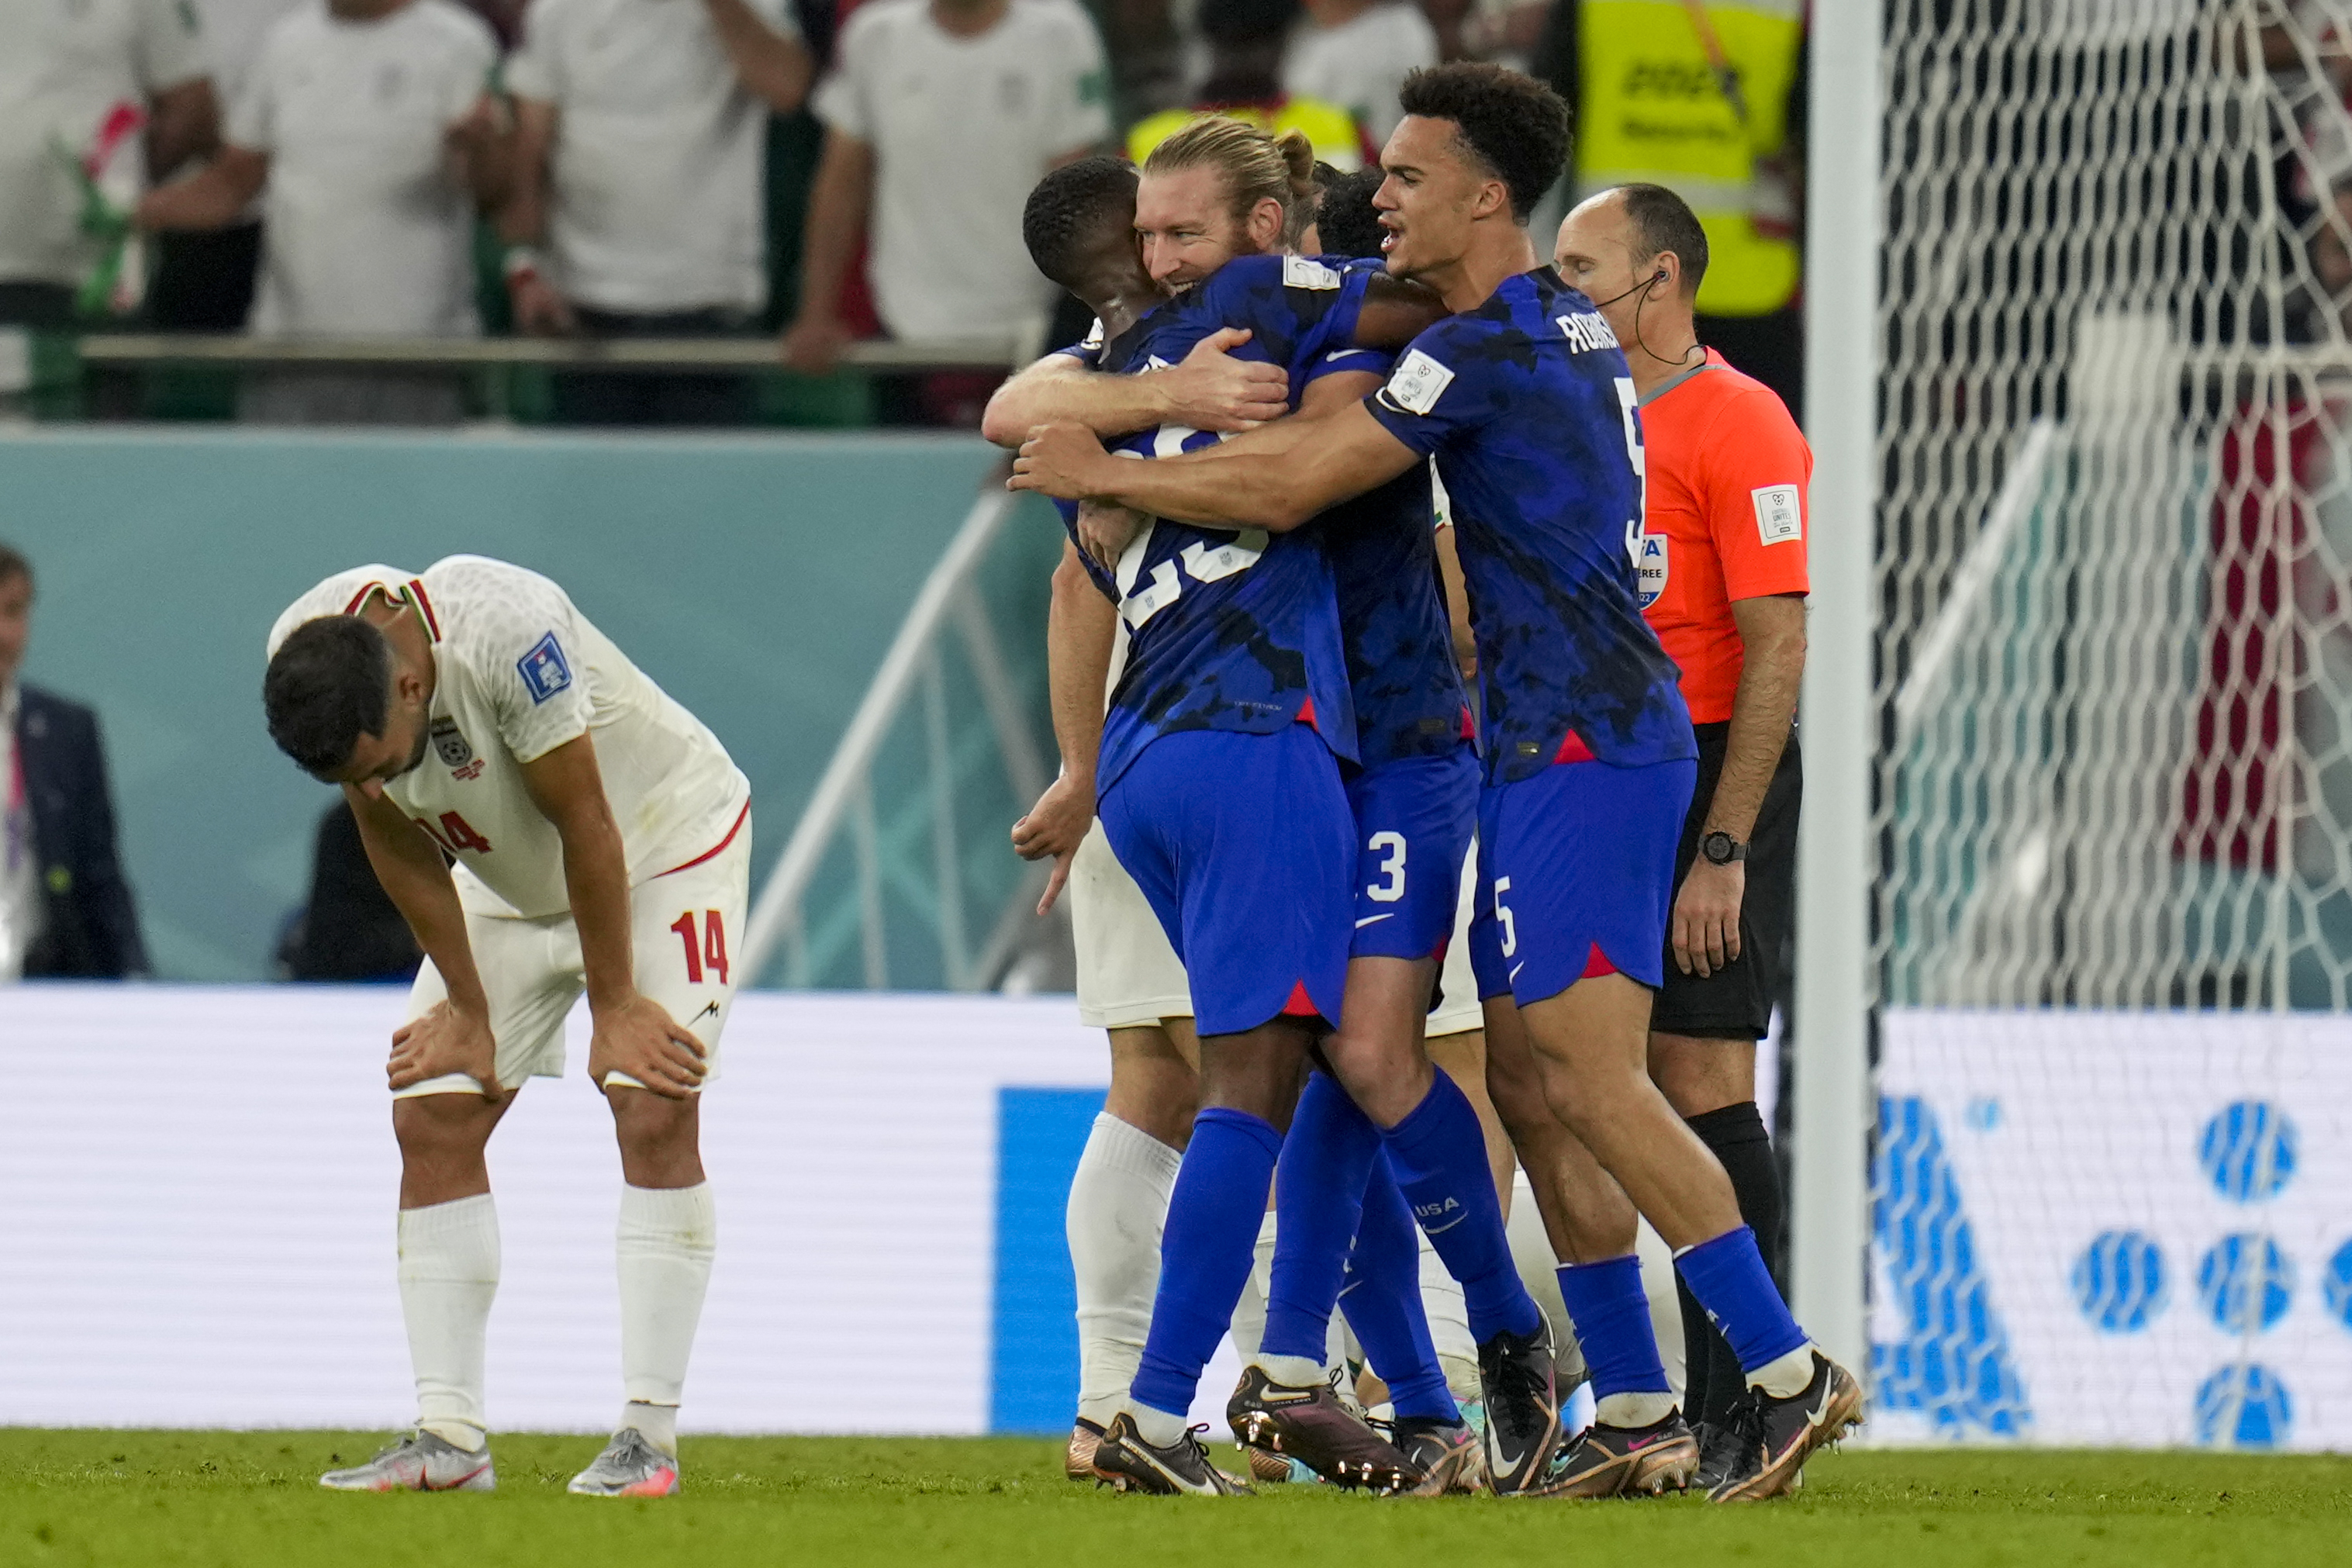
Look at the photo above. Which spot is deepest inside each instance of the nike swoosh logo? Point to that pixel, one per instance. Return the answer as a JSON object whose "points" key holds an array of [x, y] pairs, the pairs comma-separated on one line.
{"points": [[1504, 1458], [1449, 1225], [1814, 1418], [1371, 920], [1514, 974]]}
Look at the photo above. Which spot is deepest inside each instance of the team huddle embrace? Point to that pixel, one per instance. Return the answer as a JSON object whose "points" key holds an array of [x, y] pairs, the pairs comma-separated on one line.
{"points": [[1366, 935]]}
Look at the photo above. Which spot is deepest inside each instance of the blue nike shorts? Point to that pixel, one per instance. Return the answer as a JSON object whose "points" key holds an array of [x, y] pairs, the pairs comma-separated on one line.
{"points": [[1576, 876], [1413, 821], [1245, 848]]}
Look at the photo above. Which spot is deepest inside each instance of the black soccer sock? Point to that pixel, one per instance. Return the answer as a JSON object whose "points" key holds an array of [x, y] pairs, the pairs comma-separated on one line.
{"points": [[1736, 1135]]}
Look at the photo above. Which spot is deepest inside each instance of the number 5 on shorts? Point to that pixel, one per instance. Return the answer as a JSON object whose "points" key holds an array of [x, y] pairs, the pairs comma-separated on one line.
{"points": [[707, 950], [1502, 917]]}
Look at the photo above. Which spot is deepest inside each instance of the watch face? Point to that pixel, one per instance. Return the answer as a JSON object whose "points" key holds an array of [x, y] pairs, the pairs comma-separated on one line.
{"points": [[1717, 846]]}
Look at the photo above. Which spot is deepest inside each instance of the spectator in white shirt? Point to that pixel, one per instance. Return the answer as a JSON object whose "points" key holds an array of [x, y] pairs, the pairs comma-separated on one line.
{"points": [[640, 198], [369, 128], [67, 73], [1357, 54], [940, 116]]}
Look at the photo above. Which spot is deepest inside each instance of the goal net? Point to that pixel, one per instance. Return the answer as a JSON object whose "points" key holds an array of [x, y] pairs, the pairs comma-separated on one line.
{"points": [[2112, 791]]}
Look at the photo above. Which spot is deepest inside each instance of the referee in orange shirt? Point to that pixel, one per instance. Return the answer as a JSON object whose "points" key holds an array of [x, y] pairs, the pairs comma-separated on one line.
{"points": [[1723, 584]]}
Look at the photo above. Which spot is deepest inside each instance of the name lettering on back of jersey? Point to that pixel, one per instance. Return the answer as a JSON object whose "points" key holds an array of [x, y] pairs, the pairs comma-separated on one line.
{"points": [[1305, 272], [1416, 384], [1586, 331], [544, 670], [1780, 516]]}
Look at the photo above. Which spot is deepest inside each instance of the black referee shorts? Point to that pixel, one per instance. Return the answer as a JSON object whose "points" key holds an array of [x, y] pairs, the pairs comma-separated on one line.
{"points": [[1735, 1003]]}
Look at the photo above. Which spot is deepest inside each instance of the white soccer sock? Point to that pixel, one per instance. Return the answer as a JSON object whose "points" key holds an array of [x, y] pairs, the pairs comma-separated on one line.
{"points": [[1118, 1207], [657, 1423], [1784, 1377], [666, 1239], [1630, 1411], [448, 1276], [1449, 1324]]}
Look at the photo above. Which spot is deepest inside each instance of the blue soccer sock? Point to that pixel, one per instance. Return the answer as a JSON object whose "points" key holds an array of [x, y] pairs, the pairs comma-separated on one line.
{"points": [[1206, 1253], [1611, 1315], [1382, 1301], [1728, 1278], [1319, 1186], [1439, 1156]]}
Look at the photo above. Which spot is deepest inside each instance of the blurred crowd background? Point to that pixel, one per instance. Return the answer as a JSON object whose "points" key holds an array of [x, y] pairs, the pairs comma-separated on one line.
{"points": [[816, 173]]}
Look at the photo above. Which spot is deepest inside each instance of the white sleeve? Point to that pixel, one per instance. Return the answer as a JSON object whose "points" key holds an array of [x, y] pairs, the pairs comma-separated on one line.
{"points": [[171, 44], [1080, 97], [840, 100], [523, 646], [466, 69], [777, 14], [534, 69], [252, 121]]}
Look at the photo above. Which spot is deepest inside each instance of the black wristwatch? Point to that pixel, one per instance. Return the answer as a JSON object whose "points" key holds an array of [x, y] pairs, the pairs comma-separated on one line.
{"points": [[1721, 849]]}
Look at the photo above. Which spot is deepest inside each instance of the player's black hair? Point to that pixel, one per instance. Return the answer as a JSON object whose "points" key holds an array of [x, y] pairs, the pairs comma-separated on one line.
{"points": [[1066, 213], [1662, 221], [13, 564], [1345, 219], [329, 683], [1514, 124]]}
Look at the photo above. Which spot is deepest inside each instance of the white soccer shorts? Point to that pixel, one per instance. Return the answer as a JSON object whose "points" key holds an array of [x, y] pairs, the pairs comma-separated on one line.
{"points": [[1459, 1012], [1129, 976], [683, 925]]}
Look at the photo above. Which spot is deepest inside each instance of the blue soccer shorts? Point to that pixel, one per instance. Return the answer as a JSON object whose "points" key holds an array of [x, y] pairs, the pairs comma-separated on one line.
{"points": [[1415, 818], [1576, 876], [1245, 848]]}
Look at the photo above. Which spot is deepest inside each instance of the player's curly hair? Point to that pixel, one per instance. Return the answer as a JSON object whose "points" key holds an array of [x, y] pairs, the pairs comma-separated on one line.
{"points": [[1345, 219], [1256, 167], [1066, 212], [329, 683], [1512, 123]]}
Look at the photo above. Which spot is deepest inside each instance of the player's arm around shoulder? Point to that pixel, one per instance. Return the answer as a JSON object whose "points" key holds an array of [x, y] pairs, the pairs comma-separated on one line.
{"points": [[630, 1032], [1209, 390], [455, 1036]]}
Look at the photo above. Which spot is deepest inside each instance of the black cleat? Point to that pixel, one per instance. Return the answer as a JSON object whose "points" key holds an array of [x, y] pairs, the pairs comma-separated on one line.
{"points": [[1078, 1458], [1125, 1462], [1718, 1450], [1311, 1426], [1625, 1461], [1771, 1438], [1522, 1409], [1449, 1454]]}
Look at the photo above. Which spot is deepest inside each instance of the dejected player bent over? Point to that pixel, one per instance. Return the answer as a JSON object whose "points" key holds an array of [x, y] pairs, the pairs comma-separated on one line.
{"points": [[549, 821]]}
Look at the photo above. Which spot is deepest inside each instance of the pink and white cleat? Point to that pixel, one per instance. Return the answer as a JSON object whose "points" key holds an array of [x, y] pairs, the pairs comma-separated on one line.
{"points": [[420, 1462], [629, 1467]]}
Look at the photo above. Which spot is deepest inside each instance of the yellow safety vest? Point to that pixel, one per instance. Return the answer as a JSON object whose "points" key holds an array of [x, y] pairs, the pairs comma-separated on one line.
{"points": [[1655, 109], [1330, 128]]}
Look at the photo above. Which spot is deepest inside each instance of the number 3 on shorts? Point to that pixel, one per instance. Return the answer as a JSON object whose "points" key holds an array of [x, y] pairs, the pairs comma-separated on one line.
{"points": [[1390, 847], [1502, 917], [706, 950]]}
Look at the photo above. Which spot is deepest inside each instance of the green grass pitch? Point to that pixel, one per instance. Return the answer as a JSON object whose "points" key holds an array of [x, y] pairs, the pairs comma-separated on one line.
{"points": [[250, 1498]]}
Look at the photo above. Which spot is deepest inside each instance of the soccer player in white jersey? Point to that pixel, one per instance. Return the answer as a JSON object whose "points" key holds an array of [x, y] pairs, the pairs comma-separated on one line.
{"points": [[549, 822]]}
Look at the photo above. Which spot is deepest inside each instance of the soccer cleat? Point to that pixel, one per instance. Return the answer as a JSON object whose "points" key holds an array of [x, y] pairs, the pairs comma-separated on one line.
{"points": [[1278, 1470], [1625, 1461], [1719, 1449], [1451, 1457], [629, 1467], [1078, 1458], [421, 1462], [1522, 1409], [1771, 1438], [1310, 1425], [1125, 1462]]}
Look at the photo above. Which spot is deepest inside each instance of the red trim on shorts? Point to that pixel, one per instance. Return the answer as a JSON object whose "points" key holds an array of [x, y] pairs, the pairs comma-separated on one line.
{"points": [[1469, 725], [1306, 713], [1300, 1005], [741, 817], [1596, 965], [425, 607], [1574, 750]]}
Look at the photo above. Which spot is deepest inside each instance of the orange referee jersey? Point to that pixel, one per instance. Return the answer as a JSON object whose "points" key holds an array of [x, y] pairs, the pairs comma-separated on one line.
{"points": [[1724, 518]]}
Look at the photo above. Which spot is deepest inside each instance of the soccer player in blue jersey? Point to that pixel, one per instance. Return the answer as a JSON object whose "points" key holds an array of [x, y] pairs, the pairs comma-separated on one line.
{"points": [[1524, 398]]}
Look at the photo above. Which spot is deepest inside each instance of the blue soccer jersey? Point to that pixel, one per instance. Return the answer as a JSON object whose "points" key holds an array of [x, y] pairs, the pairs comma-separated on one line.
{"points": [[1528, 406], [1233, 631]]}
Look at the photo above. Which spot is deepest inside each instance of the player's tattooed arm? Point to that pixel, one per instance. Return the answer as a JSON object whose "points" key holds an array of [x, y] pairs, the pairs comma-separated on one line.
{"points": [[630, 1032], [1211, 390], [1079, 631], [455, 1036], [1276, 477]]}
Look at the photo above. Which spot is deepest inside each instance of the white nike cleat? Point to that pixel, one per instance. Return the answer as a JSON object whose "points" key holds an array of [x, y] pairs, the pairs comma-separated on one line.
{"points": [[420, 1462], [629, 1467]]}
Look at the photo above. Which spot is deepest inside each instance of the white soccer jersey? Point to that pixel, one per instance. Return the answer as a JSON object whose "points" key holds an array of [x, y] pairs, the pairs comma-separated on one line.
{"points": [[517, 672]]}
